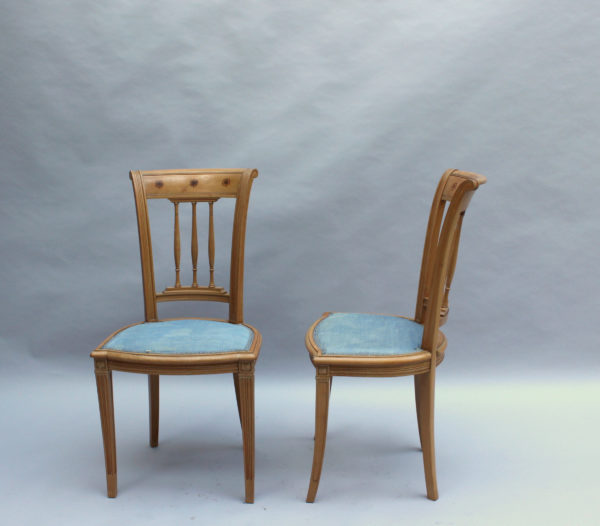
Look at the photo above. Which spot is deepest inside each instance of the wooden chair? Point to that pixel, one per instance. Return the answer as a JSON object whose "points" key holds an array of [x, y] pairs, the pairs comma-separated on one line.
{"points": [[185, 345], [343, 344]]}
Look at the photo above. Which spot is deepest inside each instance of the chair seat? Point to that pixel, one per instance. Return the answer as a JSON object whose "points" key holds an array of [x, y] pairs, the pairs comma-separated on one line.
{"points": [[186, 336], [367, 335]]}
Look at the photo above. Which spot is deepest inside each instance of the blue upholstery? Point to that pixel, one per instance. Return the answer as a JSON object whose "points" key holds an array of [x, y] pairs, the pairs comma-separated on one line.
{"points": [[182, 337], [367, 335]]}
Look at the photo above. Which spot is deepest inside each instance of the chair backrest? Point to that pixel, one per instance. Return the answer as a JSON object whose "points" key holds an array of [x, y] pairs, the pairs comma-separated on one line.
{"points": [[193, 186], [452, 197]]}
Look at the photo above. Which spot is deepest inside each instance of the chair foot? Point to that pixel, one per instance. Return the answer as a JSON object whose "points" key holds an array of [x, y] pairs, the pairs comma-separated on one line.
{"points": [[111, 485], [321, 414], [249, 492], [433, 496]]}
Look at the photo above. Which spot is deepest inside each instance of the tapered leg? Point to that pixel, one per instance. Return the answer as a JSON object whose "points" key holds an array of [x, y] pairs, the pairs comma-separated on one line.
{"points": [[425, 395], [321, 413], [107, 419], [153, 399], [236, 385], [330, 384], [246, 397]]}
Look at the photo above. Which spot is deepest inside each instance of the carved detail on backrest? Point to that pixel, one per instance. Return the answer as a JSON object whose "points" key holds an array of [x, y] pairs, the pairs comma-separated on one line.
{"points": [[209, 292], [193, 186], [440, 252]]}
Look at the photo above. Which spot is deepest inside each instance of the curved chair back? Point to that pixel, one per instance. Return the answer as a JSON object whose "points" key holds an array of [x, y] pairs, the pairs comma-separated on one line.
{"points": [[193, 187], [450, 202]]}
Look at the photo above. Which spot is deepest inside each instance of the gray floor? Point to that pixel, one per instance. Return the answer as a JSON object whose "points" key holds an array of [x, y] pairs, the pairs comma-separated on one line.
{"points": [[509, 452]]}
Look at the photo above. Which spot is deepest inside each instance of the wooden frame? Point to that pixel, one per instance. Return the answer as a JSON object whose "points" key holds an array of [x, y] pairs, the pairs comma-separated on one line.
{"points": [[185, 186], [450, 202]]}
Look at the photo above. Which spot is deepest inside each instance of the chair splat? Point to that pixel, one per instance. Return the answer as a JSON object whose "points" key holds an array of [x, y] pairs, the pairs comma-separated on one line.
{"points": [[194, 291]]}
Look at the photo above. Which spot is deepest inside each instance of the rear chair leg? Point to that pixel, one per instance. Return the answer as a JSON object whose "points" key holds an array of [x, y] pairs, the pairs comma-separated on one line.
{"points": [[153, 398]]}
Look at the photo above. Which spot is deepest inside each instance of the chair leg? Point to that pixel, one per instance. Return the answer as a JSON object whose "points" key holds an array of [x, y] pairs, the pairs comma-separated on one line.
{"points": [[321, 413], [418, 404], [236, 385], [153, 399], [246, 405], [330, 384], [425, 395], [107, 420]]}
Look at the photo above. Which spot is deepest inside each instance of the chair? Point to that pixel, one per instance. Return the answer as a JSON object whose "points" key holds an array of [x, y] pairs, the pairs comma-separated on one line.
{"points": [[345, 344], [185, 345]]}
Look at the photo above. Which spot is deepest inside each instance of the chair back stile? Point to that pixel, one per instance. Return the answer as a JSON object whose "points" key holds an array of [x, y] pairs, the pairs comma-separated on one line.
{"points": [[441, 251], [193, 186]]}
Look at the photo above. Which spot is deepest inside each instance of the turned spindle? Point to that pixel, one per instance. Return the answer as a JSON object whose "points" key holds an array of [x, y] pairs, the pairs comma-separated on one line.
{"points": [[177, 246], [211, 245], [194, 247]]}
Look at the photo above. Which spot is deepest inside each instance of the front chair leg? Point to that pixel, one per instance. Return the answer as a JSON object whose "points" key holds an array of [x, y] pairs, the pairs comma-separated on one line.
{"points": [[321, 413], [245, 379], [107, 420], [330, 384], [153, 399], [425, 395]]}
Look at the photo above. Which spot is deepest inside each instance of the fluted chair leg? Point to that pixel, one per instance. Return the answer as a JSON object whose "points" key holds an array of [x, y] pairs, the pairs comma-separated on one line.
{"points": [[153, 400], [321, 413], [246, 391], [107, 420], [425, 395]]}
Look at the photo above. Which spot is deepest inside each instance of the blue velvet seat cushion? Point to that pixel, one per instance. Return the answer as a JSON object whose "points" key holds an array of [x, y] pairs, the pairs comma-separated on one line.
{"points": [[367, 335], [182, 337]]}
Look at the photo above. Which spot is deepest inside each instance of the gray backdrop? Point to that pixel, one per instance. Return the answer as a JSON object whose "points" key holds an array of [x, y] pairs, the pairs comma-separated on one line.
{"points": [[350, 111]]}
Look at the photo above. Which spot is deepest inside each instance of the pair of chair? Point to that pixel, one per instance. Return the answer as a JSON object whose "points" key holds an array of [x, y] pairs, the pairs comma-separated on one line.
{"points": [[340, 344]]}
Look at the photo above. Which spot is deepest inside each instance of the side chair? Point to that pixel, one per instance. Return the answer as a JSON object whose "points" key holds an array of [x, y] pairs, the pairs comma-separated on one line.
{"points": [[185, 346], [374, 345]]}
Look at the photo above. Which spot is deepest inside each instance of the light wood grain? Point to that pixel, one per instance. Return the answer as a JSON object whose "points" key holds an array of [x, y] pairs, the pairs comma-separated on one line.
{"points": [[452, 196], [181, 187]]}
